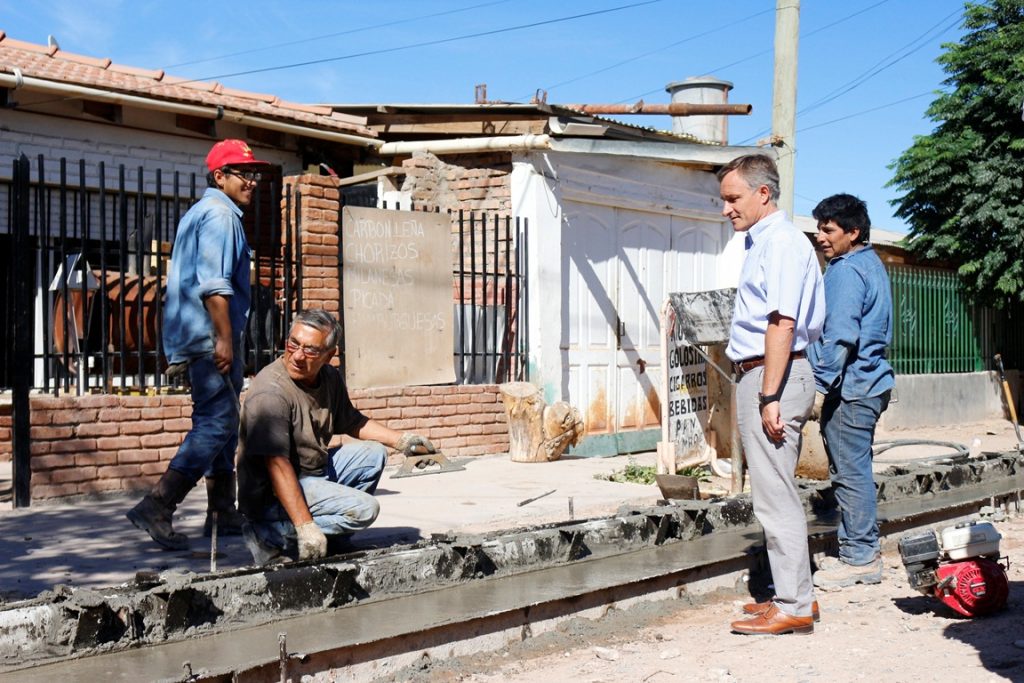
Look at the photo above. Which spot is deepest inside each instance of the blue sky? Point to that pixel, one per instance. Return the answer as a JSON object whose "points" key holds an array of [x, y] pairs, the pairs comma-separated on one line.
{"points": [[858, 55]]}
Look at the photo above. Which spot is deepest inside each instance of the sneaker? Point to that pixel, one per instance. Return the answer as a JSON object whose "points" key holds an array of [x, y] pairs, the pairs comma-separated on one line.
{"points": [[833, 573]]}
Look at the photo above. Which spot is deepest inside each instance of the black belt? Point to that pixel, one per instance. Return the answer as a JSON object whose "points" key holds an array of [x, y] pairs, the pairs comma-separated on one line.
{"points": [[742, 367]]}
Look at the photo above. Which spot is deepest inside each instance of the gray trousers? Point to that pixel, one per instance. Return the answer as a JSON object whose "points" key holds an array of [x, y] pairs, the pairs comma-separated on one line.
{"points": [[773, 487]]}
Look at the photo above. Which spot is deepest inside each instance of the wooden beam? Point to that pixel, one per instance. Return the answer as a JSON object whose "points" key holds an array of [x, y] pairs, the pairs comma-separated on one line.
{"points": [[371, 175], [463, 129]]}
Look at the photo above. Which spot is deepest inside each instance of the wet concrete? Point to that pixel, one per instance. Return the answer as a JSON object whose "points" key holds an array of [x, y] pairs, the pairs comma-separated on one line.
{"points": [[432, 585]]}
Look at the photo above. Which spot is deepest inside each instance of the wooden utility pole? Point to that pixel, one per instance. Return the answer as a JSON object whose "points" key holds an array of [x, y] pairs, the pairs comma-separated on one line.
{"points": [[787, 36]]}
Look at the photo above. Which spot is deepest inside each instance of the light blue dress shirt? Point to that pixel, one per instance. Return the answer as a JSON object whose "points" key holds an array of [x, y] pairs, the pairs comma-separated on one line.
{"points": [[780, 273], [210, 256], [850, 356]]}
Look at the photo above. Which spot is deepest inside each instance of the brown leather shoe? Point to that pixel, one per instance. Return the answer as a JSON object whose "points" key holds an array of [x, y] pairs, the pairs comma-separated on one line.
{"points": [[774, 621], [756, 608]]}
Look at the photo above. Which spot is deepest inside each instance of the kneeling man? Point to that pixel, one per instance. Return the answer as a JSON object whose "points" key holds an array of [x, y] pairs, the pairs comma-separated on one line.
{"points": [[292, 488]]}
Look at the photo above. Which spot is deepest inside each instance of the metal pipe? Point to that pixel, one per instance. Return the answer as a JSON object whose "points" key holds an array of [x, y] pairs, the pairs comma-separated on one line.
{"points": [[505, 143], [215, 113], [674, 109]]}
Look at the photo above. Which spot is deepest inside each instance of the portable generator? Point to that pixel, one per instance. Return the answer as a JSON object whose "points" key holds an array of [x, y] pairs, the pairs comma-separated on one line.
{"points": [[960, 566]]}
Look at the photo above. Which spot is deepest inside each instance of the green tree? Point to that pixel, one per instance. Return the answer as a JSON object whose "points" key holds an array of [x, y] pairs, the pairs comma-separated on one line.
{"points": [[963, 185]]}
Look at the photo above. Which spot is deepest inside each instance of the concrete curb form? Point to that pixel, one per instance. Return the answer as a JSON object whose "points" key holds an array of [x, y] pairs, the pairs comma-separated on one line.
{"points": [[69, 623]]}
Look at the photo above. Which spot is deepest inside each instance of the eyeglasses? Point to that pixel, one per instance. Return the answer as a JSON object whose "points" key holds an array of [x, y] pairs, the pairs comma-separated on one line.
{"points": [[312, 352], [249, 176]]}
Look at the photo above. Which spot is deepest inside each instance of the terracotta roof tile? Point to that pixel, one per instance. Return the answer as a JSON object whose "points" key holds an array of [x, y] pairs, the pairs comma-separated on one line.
{"points": [[83, 59], [233, 92], [46, 63], [206, 86], [31, 47], [307, 108], [155, 74]]}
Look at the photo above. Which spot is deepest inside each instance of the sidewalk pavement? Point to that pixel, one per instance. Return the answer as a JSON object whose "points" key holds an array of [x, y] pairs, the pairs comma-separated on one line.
{"points": [[90, 543]]}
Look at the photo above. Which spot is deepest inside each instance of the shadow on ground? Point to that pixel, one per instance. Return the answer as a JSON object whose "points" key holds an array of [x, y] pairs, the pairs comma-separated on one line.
{"points": [[92, 545], [993, 637]]}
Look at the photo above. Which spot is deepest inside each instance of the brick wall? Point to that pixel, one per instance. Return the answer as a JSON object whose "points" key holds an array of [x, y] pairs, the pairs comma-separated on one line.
{"points": [[319, 206], [471, 182], [101, 443], [98, 443]]}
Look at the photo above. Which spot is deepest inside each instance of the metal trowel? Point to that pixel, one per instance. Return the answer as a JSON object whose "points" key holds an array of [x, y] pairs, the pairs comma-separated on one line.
{"points": [[417, 464]]}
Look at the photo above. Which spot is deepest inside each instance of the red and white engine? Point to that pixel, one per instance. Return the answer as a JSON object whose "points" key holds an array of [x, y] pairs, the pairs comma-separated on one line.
{"points": [[960, 566]]}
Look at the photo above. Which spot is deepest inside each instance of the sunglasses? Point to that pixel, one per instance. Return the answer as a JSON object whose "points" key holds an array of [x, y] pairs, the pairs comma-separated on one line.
{"points": [[249, 176]]}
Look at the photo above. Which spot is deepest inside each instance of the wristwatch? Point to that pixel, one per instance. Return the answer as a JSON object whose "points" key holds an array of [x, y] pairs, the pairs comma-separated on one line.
{"points": [[763, 400]]}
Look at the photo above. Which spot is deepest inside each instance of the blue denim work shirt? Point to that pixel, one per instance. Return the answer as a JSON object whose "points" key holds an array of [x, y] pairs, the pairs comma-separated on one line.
{"points": [[850, 356], [210, 256], [780, 273]]}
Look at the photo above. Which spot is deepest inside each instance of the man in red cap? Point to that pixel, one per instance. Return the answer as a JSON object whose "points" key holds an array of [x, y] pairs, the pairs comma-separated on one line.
{"points": [[205, 312]]}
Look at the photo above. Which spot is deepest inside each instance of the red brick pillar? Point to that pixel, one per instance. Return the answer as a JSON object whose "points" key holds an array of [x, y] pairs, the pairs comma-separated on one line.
{"points": [[315, 204]]}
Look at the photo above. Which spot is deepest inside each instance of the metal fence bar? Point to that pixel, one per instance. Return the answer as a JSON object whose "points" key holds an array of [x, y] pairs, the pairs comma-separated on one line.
{"points": [[140, 288], [158, 248], [462, 295], [83, 212], [494, 307], [122, 210], [104, 302], [523, 265], [22, 324]]}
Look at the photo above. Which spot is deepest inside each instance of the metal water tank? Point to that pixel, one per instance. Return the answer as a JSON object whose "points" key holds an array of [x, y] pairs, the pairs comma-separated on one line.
{"points": [[701, 90]]}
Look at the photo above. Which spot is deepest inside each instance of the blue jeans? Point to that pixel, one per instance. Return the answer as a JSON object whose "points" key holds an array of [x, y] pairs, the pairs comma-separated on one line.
{"points": [[848, 430], [209, 448], [341, 501]]}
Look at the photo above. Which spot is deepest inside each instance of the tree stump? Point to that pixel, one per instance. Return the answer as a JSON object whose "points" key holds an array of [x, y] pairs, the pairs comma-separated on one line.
{"points": [[538, 432]]}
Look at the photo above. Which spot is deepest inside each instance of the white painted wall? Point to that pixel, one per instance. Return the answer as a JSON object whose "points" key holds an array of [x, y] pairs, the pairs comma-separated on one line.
{"points": [[173, 150], [543, 184]]}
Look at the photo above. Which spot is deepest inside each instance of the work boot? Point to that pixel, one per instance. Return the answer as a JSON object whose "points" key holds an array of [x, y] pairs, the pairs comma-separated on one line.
{"points": [[263, 552], [833, 573], [153, 513], [220, 496]]}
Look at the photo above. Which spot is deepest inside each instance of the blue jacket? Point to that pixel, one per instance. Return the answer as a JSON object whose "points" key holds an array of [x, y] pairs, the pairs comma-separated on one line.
{"points": [[210, 256], [849, 358]]}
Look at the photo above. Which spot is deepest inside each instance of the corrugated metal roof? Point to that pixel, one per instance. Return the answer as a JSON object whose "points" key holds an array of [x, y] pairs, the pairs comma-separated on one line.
{"points": [[887, 238], [530, 109], [51, 63]]}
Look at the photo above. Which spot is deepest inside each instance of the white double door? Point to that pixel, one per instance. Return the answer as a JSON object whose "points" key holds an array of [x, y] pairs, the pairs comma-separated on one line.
{"points": [[620, 265]]}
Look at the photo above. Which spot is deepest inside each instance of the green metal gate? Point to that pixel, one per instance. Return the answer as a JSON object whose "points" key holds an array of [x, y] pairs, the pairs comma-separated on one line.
{"points": [[935, 330]]}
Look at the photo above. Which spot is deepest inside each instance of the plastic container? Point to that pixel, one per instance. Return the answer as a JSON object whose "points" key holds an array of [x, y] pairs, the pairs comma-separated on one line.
{"points": [[973, 539]]}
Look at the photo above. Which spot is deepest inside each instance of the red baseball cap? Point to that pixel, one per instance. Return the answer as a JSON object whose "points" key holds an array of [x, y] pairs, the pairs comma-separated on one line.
{"points": [[231, 153]]}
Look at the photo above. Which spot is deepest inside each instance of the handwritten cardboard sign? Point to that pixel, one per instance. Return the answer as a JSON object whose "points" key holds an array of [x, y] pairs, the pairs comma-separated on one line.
{"points": [[397, 290]]}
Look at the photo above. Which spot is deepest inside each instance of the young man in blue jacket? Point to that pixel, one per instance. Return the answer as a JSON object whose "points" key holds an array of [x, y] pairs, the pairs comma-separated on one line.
{"points": [[205, 313], [851, 371]]}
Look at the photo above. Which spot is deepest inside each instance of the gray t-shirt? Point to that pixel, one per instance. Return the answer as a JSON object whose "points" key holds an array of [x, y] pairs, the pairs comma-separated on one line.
{"points": [[281, 417]]}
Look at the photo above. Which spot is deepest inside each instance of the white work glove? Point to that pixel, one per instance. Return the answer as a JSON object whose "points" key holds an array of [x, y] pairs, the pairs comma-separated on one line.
{"points": [[414, 444], [312, 542]]}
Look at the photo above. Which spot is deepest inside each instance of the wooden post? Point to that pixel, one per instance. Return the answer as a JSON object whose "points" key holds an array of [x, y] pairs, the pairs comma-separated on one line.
{"points": [[538, 432]]}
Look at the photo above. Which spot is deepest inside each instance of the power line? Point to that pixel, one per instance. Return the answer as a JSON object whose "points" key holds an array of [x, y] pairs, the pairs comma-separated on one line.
{"points": [[731, 24], [867, 111], [889, 60], [368, 53], [719, 69], [334, 35], [427, 43]]}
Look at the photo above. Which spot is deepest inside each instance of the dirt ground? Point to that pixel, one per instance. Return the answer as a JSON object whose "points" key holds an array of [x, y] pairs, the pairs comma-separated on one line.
{"points": [[881, 633], [887, 632]]}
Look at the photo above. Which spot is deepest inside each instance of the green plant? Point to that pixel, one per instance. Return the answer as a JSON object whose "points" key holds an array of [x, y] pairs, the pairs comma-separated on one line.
{"points": [[633, 473]]}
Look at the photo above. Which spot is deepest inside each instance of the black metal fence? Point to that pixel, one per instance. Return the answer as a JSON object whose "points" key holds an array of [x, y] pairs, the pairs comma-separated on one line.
{"points": [[93, 245], [87, 254]]}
